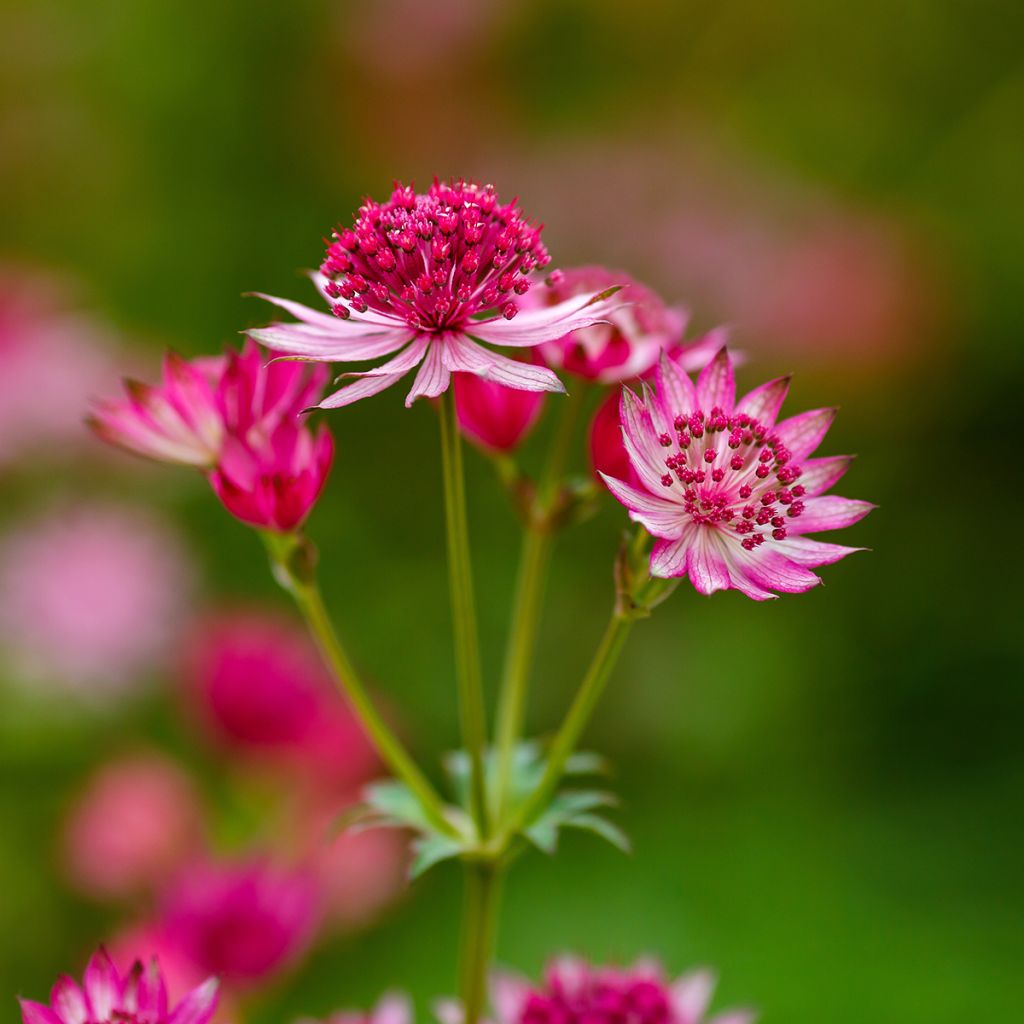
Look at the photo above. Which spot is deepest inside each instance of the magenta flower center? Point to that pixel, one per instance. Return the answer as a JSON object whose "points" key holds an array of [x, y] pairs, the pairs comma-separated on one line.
{"points": [[734, 474], [600, 1002], [436, 260]]}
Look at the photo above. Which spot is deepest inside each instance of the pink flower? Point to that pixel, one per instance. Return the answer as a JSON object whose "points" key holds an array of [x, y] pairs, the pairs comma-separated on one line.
{"points": [[391, 1008], [237, 417], [261, 687], [179, 420], [728, 493], [135, 821], [241, 921], [575, 992], [107, 996], [46, 350], [149, 941], [495, 416], [634, 335], [428, 276], [90, 598], [608, 456]]}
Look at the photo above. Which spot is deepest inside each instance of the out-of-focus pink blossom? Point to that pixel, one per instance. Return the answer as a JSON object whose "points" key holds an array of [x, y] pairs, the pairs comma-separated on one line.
{"points": [[391, 1008], [730, 493], [575, 992], [148, 941], [91, 597], [430, 276], [497, 417], [136, 820], [629, 343], [244, 921], [53, 361], [261, 688], [109, 996]]}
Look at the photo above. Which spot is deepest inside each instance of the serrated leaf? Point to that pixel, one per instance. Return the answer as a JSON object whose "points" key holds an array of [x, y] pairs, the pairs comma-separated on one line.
{"points": [[394, 800], [543, 833], [601, 827], [569, 803], [431, 850]]}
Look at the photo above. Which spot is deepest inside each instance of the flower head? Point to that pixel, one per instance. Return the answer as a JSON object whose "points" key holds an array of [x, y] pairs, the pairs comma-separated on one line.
{"points": [[428, 276], [107, 996], [729, 493], [634, 335], [575, 992], [135, 821], [242, 922]]}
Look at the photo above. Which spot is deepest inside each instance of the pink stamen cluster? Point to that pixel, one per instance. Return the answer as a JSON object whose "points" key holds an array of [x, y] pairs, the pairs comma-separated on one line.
{"points": [[733, 471], [604, 1000], [436, 259]]}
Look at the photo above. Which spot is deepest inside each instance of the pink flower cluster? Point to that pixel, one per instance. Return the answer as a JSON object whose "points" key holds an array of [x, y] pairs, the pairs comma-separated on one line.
{"points": [[236, 417]]}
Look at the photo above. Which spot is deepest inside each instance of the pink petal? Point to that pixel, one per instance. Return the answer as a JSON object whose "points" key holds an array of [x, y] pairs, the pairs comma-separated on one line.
{"points": [[676, 392], [641, 442], [370, 382], [359, 389], [716, 384], [102, 986], [734, 1017], [802, 434], [658, 516], [306, 343], [462, 355], [535, 326], [772, 571], [691, 995], [37, 1013], [668, 557], [508, 994], [69, 1001], [400, 364], [707, 569], [696, 354], [393, 1008], [764, 403], [433, 377], [818, 475], [198, 1006], [829, 512], [811, 553]]}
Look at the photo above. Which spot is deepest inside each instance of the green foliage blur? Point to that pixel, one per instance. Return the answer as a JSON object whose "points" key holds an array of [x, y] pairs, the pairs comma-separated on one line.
{"points": [[824, 791]]}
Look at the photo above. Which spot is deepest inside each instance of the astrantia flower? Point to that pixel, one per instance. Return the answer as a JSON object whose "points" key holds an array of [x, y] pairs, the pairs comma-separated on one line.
{"points": [[428, 276], [634, 335], [574, 992], [238, 418], [107, 996], [729, 493], [241, 921], [391, 1008]]}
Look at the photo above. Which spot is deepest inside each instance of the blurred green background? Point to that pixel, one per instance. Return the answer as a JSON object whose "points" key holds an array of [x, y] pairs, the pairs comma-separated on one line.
{"points": [[824, 792]]}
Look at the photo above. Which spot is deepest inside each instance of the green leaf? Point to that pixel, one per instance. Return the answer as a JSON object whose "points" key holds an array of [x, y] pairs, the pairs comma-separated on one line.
{"points": [[543, 833], [395, 800], [601, 827], [569, 803], [431, 850], [586, 762]]}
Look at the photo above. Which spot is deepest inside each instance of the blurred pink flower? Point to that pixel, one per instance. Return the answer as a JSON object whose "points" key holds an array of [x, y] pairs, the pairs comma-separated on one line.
{"points": [[635, 334], [729, 493], [494, 416], [45, 351], [91, 597], [242, 921], [109, 996], [429, 276], [136, 820], [575, 992], [149, 941], [391, 1008], [260, 687]]}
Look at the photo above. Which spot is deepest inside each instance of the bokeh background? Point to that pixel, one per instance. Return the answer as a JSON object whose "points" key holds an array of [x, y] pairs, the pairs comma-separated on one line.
{"points": [[824, 793]]}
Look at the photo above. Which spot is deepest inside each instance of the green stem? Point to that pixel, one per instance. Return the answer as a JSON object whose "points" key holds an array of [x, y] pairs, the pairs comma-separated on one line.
{"points": [[480, 919], [467, 649], [310, 602], [534, 559], [576, 719]]}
